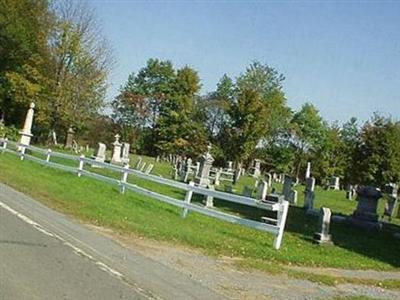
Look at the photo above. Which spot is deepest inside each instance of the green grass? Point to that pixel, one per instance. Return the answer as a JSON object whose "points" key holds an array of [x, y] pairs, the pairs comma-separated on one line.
{"points": [[102, 204]]}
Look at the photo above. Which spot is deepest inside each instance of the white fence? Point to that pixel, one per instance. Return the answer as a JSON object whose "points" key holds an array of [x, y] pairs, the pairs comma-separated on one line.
{"points": [[276, 227]]}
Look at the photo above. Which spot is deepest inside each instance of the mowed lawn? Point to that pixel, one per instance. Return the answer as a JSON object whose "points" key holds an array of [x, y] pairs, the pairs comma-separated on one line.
{"points": [[102, 204]]}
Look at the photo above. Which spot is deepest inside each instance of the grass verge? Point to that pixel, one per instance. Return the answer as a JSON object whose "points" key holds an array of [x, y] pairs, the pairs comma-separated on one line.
{"points": [[102, 204]]}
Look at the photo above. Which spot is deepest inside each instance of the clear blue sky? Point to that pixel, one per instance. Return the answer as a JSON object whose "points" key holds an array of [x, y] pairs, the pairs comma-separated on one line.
{"points": [[344, 57]]}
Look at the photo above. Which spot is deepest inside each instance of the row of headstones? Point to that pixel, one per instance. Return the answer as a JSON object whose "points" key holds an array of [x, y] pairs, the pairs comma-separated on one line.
{"points": [[365, 215], [120, 153], [143, 166], [185, 169]]}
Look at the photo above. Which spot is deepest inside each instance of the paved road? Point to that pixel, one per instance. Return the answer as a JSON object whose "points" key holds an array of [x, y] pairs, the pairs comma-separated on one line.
{"points": [[46, 255]]}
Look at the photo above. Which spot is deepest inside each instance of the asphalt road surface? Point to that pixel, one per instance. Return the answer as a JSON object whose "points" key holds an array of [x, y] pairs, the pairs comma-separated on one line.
{"points": [[46, 255]]}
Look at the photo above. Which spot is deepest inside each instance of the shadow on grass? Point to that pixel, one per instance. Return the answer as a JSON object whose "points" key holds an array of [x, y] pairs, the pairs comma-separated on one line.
{"points": [[379, 245]]}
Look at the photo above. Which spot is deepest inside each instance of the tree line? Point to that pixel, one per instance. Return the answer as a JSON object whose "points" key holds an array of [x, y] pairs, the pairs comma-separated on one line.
{"points": [[53, 53], [161, 111]]}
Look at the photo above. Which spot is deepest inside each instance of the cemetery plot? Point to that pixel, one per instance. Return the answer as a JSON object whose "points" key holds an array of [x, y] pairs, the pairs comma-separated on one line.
{"points": [[281, 207]]}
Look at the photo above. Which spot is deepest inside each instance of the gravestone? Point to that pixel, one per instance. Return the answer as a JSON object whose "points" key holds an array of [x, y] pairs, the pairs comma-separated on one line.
{"points": [[125, 153], [288, 192], [53, 135], [116, 156], [293, 197], [247, 191], [308, 170], [323, 236], [210, 199], [197, 170], [257, 168], [287, 187], [229, 165], [138, 163], [217, 176], [274, 176], [75, 146], [333, 183], [26, 133], [281, 178], [188, 170], [274, 198], [350, 192], [149, 169], [100, 153], [309, 194], [70, 138], [262, 190], [205, 167], [365, 216], [236, 176], [390, 193], [268, 178]]}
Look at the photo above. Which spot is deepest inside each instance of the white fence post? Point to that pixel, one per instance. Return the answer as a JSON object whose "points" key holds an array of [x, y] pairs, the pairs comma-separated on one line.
{"points": [[124, 177], [188, 198], [281, 221], [23, 148], [48, 155], [81, 163], [274, 226]]}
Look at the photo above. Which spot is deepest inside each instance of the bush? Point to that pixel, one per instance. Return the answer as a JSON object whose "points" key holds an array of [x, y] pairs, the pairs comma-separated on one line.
{"points": [[9, 132]]}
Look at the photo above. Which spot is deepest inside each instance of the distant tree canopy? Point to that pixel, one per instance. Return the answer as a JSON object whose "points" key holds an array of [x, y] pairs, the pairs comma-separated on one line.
{"points": [[377, 154], [53, 53], [158, 107]]}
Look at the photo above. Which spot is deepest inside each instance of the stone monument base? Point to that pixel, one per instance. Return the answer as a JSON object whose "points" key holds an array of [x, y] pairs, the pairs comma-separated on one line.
{"points": [[323, 238], [365, 224]]}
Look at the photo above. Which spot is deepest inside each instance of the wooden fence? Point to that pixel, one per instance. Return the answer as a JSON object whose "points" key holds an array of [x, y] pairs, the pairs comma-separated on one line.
{"points": [[273, 225]]}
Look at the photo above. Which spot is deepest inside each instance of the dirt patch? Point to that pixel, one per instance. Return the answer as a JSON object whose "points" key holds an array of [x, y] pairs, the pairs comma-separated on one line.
{"points": [[221, 275]]}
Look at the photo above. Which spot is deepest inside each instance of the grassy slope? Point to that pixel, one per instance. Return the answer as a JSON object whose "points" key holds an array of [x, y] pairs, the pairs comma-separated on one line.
{"points": [[103, 205]]}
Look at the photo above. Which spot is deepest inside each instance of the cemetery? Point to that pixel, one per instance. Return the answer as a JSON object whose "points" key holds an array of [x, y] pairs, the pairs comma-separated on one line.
{"points": [[243, 172], [321, 220]]}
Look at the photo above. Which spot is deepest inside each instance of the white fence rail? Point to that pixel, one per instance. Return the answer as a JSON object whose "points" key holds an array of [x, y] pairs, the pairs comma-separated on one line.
{"points": [[281, 207]]}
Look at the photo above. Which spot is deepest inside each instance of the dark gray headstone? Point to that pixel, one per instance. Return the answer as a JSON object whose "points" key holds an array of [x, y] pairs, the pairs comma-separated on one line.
{"points": [[365, 215]]}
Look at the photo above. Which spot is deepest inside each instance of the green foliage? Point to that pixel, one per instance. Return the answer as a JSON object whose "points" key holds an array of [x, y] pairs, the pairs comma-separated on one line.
{"points": [[9, 132], [51, 54], [216, 105], [256, 108], [24, 31], [377, 156], [177, 130], [308, 134], [158, 108], [135, 214]]}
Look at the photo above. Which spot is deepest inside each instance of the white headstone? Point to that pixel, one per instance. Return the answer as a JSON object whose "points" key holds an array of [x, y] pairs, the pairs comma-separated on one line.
{"points": [[257, 168], [125, 153], [26, 133], [308, 171], [262, 190], [100, 154], [210, 199], [205, 167], [116, 157], [323, 236], [268, 178], [149, 169]]}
